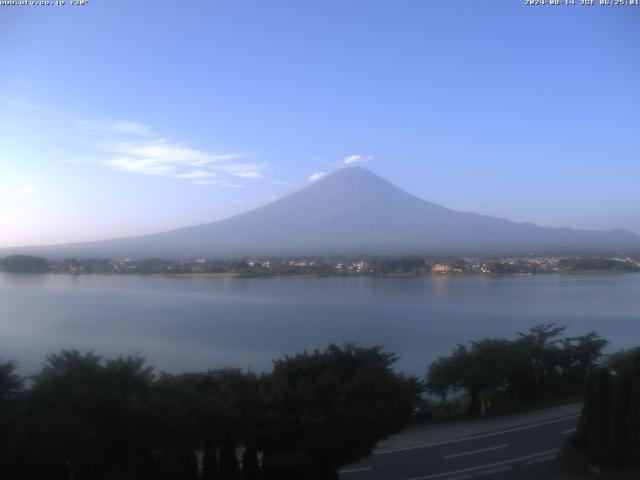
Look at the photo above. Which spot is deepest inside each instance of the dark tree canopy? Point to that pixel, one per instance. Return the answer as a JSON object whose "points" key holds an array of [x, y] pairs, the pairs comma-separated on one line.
{"points": [[24, 264], [10, 382], [625, 362], [538, 364], [609, 431], [321, 396], [91, 418]]}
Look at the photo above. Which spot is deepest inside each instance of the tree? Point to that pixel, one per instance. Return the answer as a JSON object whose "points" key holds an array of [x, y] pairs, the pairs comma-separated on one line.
{"points": [[229, 466], [588, 411], [632, 449], [10, 387], [448, 373], [618, 419], [330, 408], [483, 370], [579, 356], [210, 460], [24, 264], [174, 407], [250, 463], [90, 418], [598, 426], [496, 372], [625, 362], [609, 430], [87, 416], [10, 382], [541, 347]]}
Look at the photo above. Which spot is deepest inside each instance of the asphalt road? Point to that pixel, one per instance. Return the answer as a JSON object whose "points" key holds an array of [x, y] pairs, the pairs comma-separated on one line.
{"points": [[511, 453]]}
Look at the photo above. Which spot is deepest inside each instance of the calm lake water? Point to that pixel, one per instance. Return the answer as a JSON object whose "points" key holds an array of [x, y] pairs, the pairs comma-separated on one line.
{"points": [[189, 323]]}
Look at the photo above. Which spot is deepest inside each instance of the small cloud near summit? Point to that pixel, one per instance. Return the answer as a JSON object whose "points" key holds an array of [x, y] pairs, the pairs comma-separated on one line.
{"points": [[317, 176], [351, 159], [248, 174]]}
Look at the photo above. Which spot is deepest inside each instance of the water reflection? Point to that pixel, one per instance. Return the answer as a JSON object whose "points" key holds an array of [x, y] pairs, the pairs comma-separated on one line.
{"points": [[190, 323]]}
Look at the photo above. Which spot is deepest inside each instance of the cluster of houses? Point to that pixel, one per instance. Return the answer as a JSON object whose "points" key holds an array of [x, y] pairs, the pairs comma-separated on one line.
{"points": [[345, 266]]}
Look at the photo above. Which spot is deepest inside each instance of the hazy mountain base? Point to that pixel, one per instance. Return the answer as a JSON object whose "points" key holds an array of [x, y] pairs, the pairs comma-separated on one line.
{"points": [[353, 212]]}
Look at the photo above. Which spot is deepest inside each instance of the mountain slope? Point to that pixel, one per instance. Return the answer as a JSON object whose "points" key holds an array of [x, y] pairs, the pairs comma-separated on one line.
{"points": [[351, 211]]}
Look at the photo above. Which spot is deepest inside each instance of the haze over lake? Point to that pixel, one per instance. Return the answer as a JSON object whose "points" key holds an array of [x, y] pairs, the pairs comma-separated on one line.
{"points": [[190, 323]]}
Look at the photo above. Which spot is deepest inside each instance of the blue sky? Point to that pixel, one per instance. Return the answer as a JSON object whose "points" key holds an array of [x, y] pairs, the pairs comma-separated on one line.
{"points": [[122, 118]]}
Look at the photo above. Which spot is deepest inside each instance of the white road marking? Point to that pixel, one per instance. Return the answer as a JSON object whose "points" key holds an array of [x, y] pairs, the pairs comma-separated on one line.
{"points": [[483, 474], [489, 449], [355, 470], [475, 437], [538, 460], [490, 465], [569, 431]]}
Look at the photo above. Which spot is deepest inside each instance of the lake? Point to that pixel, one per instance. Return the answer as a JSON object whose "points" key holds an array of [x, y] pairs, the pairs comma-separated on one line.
{"points": [[189, 323]]}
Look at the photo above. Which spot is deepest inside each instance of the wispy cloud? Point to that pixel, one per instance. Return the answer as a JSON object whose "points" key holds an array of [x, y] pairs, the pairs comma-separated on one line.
{"points": [[113, 126], [317, 176], [242, 170], [122, 127], [163, 158], [145, 166], [351, 159], [221, 183], [133, 147], [195, 175], [162, 151], [19, 103], [134, 128], [249, 174]]}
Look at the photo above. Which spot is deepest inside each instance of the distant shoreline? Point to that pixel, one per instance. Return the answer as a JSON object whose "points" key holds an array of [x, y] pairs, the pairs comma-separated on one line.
{"points": [[218, 276], [310, 267], [236, 275]]}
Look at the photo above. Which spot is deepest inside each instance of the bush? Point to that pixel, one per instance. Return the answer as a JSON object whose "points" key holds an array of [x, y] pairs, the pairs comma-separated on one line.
{"points": [[105, 419]]}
